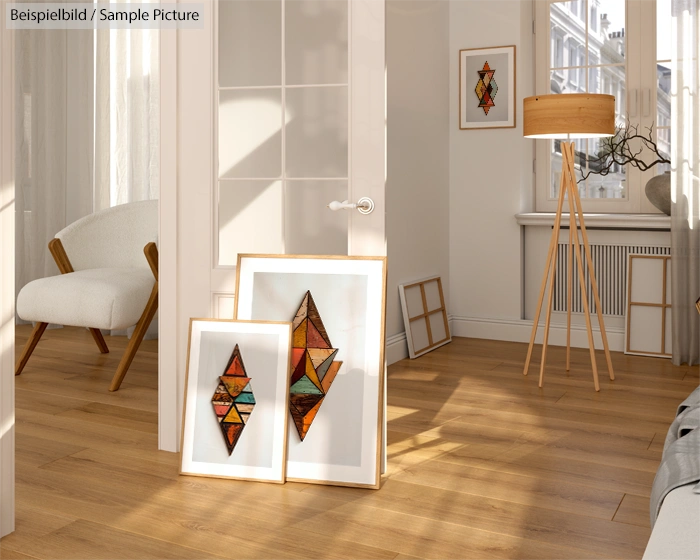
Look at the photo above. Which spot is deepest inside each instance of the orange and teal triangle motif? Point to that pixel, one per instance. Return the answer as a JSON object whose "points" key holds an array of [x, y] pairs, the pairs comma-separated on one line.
{"points": [[233, 400], [313, 368], [486, 88]]}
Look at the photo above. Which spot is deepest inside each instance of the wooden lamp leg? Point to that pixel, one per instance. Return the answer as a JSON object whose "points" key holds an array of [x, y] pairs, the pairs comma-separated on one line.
{"points": [[551, 257], [38, 330], [594, 284], [570, 283], [567, 187], [550, 296], [579, 261]]}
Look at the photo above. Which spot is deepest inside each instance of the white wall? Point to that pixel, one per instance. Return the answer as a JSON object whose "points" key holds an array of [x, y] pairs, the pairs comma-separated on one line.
{"points": [[417, 193], [7, 284], [490, 177]]}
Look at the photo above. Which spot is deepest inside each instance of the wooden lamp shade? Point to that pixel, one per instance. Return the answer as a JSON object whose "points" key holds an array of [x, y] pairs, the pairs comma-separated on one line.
{"points": [[578, 115]]}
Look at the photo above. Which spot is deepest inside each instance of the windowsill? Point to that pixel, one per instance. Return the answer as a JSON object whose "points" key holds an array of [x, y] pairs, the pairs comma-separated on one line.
{"points": [[593, 220]]}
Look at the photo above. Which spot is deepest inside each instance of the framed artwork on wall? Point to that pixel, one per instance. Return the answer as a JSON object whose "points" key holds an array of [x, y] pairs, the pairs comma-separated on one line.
{"points": [[337, 305], [424, 315], [487, 88], [235, 416]]}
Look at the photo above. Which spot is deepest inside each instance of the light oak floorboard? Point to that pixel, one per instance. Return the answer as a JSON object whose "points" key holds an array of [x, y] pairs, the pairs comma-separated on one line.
{"points": [[482, 464], [633, 510]]}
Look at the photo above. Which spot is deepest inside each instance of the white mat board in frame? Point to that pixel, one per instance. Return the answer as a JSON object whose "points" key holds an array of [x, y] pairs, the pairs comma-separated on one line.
{"points": [[342, 446], [260, 451]]}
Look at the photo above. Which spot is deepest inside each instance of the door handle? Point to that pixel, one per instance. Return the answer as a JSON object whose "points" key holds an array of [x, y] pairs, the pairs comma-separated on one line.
{"points": [[364, 205]]}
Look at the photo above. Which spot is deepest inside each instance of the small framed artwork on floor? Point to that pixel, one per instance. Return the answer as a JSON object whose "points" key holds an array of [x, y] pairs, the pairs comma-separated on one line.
{"points": [[337, 366], [648, 322], [235, 416], [424, 315], [487, 88]]}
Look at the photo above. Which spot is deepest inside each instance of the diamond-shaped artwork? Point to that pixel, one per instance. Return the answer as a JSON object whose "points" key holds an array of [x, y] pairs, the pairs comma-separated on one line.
{"points": [[313, 368], [233, 400], [486, 88]]}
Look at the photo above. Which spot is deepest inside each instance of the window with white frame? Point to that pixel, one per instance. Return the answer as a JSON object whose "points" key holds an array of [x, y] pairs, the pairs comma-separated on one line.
{"points": [[618, 47]]}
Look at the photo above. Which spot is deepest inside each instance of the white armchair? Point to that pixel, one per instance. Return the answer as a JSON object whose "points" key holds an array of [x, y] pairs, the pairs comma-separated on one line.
{"points": [[105, 281]]}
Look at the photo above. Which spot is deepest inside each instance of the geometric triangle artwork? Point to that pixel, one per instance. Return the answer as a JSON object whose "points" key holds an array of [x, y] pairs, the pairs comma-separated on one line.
{"points": [[486, 88], [313, 368], [233, 400]]}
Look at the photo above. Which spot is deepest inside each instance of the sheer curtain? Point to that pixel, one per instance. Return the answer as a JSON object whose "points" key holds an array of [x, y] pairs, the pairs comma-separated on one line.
{"points": [[685, 183], [54, 142], [87, 132], [127, 122], [126, 116]]}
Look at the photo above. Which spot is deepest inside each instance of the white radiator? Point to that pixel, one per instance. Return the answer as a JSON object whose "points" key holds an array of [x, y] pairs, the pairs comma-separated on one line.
{"points": [[610, 264]]}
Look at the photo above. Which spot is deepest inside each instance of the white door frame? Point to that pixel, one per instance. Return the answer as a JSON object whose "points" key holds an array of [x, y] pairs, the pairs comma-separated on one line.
{"points": [[168, 320], [7, 280]]}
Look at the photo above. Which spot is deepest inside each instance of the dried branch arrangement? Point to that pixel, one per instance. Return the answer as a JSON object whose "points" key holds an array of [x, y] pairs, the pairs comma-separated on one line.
{"points": [[618, 150]]}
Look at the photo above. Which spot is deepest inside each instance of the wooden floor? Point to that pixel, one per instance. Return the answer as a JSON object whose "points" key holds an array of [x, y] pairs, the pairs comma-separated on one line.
{"points": [[482, 464]]}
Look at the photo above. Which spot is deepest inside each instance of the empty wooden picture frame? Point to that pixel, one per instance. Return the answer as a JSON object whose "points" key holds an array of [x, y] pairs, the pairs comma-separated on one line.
{"points": [[648, 321], [424, 315], [235, 416], [337, 308]]}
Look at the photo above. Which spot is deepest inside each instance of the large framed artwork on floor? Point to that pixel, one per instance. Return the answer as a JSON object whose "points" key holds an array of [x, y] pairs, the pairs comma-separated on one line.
{"points": [[337, 305], [235, 416]]}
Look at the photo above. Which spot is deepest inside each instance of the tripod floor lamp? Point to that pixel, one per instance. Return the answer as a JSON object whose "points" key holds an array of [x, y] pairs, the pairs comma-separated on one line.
{"points": [[573, 115]]}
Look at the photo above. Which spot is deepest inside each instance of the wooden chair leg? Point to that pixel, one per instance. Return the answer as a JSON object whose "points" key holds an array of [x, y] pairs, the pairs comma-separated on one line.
{"points": [[99, 340], [136, 338], [39, 329]]}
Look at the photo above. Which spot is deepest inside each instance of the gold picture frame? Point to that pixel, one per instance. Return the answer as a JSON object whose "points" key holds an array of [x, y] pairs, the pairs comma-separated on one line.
{"points": [[487, 88]]}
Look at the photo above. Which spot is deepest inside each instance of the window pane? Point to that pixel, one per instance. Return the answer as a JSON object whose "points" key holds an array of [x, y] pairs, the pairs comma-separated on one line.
{"points": [[596, 185], [663, 29], [663, 81], [249, 43], [663, 94], [589, 159], [663, 140], [587, 38], [610, 36], [316, 42]]}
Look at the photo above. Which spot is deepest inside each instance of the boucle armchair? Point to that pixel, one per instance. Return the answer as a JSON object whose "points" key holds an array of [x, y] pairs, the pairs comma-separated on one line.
{"points": [[105, 281]]}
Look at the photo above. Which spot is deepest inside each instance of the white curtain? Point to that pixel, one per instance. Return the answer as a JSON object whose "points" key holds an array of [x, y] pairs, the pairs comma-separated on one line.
{"points": [[126, 116], [127, 122], [87, 132], [685, 182], [54, 142]]}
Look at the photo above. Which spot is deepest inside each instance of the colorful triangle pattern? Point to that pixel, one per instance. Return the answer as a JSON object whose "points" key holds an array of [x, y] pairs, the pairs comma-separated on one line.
{"points": [[486, 88], [313, 368], [233, 400]]}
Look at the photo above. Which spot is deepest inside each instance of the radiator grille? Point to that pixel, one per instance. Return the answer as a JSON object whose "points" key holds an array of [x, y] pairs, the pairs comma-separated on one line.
{"points": [[610, 263]]}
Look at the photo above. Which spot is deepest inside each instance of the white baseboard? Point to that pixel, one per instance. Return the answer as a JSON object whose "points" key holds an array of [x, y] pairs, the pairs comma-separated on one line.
{"points": [[396, 348], [512, 331], [520, 330]]}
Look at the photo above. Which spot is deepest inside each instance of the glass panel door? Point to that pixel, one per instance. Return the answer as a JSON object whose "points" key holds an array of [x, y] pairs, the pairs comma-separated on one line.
{"points": [[283, 114]]}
